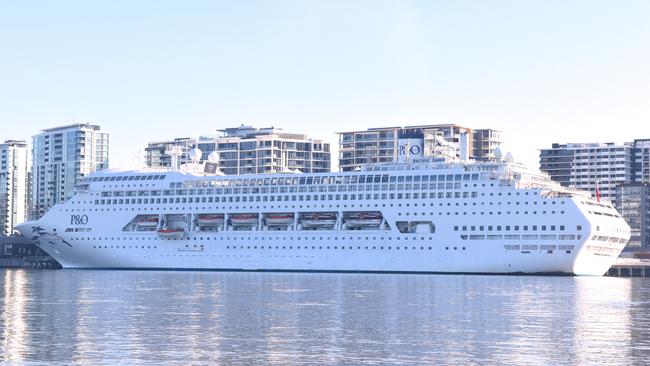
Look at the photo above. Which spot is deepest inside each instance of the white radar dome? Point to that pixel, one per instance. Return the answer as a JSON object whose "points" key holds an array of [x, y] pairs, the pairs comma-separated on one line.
{"points": [[213, 157], [195, 154], [497, 153], [509, 158]]}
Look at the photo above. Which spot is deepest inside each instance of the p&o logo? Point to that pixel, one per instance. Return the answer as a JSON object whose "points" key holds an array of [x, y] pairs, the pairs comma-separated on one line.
{"points": [[412, 150], [78, 219]]}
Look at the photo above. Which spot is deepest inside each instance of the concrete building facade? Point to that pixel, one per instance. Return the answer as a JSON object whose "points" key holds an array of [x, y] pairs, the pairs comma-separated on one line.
{"points": [[485, 142]]}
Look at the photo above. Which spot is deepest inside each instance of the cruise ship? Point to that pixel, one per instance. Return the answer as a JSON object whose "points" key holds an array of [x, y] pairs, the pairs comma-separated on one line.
{"points": [[428, 215]]}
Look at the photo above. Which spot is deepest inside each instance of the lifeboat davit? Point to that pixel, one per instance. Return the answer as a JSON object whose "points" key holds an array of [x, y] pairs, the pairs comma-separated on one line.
{"points": [[209, 219], [171, 233], [279, 218], [243, 219]]}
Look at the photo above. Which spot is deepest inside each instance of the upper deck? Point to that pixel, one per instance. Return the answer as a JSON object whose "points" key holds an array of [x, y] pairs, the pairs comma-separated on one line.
{"points": [[411, 176]]}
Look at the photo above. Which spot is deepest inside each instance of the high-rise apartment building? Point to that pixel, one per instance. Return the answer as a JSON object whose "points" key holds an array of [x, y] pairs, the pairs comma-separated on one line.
{"points": [[62, 157], [586, 166], [249, 150], [382, 145], [14, 184]]}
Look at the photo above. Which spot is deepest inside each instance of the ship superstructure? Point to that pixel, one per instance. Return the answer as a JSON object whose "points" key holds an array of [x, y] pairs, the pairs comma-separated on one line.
{"points": [[425, 215]]}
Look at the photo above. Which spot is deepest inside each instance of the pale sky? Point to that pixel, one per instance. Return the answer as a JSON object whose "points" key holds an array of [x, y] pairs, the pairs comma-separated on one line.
{"points": [[541, 71]]}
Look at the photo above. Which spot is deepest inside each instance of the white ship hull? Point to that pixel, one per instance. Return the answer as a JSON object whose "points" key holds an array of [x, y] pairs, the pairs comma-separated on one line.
{"points": [[480, 234], [234, 255]]}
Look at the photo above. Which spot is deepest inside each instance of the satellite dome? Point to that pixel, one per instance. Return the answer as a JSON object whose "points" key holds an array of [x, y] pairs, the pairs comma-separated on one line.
{"points": [[213, 157], [509, 158], [195, 154], [497, 153]]}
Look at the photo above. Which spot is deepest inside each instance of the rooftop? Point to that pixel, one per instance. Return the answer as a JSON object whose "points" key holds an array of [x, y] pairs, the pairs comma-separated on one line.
{"points": [[75, 126]]}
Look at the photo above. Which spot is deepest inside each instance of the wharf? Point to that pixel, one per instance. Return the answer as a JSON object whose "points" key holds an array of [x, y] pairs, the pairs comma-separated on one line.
{"points": [[630, 267]]}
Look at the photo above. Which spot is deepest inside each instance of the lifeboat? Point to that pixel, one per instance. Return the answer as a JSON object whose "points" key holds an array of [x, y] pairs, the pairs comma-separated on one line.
{"points": [[171, 233], [243, 219], [318, 220], [363, 219], [209, 219], [279, 218], [151, 221]]}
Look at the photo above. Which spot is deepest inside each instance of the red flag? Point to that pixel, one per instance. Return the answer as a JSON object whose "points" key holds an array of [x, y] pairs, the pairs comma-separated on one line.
{"points": [[597, 192]]}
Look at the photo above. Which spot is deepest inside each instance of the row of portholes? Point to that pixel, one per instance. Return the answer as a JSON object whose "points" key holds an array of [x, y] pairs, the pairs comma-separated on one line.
{"points": [[456, 213], [270, 247], [284, 247], [234, 238], [124, 247]]}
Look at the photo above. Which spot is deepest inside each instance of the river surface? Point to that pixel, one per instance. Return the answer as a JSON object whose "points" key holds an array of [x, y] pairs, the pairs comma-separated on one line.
{"points": [[159, 317]]}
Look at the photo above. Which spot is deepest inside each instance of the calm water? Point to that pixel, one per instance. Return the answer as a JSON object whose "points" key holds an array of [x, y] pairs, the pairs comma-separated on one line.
{"points": [[133, 317]]}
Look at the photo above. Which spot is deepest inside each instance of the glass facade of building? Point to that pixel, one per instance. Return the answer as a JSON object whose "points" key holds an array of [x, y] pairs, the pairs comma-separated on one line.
{"points": [[632, 202], [61, 158]]}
